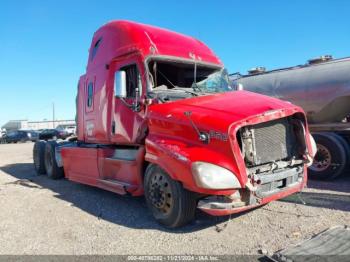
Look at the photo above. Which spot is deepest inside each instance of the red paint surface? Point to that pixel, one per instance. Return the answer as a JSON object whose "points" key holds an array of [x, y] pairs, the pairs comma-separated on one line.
{"points": [[171, 143], [122, 43]]}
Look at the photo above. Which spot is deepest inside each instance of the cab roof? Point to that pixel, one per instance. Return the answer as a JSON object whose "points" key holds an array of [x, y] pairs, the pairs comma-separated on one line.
{"points": [[120, 37]]}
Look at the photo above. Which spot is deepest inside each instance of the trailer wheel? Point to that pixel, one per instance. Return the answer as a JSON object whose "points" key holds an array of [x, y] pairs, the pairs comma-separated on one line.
{"points": [[346, 147], [53, 171], [330, 159], [39, 157], [171, 204]]}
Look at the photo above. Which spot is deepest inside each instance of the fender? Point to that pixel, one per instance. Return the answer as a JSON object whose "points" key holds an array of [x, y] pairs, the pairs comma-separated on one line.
{"points": [[173, 155]]}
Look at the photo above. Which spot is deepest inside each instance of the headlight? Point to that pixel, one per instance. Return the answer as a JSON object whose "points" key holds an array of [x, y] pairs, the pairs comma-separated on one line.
{"points": [[313, 146], [212, 176]]}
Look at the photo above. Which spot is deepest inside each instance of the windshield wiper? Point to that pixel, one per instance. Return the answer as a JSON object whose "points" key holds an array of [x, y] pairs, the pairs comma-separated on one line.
{"points": [[184, 90], [196, 87]]}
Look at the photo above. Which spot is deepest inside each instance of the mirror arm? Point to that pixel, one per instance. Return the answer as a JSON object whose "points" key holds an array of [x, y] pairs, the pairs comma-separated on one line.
{"points": [[136, 105]]}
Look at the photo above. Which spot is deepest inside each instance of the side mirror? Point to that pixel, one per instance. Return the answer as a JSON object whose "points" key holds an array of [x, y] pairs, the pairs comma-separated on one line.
{"points": [[120, 84]]}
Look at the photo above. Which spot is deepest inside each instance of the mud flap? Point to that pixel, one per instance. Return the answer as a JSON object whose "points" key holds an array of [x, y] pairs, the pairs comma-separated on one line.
{"points": [[330, 245]]}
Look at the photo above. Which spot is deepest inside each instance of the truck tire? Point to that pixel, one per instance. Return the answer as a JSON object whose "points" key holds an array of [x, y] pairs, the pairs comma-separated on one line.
{"points": [[330, 159], [346, 147], [171, 204], [53, 171], [39, 157]]}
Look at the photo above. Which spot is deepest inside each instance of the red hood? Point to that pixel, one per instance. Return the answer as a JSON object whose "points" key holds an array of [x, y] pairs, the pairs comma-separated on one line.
{"points": [[220, 110], [220, 116]]}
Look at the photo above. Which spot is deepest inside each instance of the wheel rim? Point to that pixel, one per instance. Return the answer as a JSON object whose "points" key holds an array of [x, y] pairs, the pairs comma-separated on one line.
{"points": [[322, 160], [160, 194]]}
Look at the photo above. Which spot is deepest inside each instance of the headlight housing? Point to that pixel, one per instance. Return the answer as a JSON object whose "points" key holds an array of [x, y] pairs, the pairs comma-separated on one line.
{"points": [[211, 176]]}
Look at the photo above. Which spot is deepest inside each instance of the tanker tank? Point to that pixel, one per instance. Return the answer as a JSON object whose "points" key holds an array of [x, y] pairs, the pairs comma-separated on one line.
{"points": [[322, 88]]}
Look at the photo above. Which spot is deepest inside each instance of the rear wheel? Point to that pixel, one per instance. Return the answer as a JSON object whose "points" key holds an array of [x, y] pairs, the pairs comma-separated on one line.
{"points": [[330, 159], [39, 157], [346, 147], [170, 204], [53, 171]]}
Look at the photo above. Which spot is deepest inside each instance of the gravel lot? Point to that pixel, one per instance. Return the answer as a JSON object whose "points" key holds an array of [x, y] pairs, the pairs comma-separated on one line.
{"points": [[41, 216]]}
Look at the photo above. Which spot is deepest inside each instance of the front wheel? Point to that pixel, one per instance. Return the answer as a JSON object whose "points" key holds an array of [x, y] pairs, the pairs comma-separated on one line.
{"points": [[171, 204]]}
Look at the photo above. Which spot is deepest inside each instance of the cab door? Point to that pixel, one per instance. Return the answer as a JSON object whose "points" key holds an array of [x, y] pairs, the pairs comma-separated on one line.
{"points": [[127, 119]]}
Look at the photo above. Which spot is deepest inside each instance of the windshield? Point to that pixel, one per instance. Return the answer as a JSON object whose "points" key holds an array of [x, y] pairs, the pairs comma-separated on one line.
{"points": [[173, 80], [216, 82]]}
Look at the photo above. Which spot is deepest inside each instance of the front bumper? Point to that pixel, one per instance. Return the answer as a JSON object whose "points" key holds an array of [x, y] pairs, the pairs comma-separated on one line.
{"points": [[272, 187]]}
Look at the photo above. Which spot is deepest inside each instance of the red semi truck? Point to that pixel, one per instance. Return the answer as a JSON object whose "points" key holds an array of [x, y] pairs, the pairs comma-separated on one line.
{"points": [[156, 116]]}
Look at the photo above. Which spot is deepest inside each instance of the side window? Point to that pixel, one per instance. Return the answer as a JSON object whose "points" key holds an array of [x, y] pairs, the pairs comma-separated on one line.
{"points": [[95, 48], [90, 94], [133, 80]]}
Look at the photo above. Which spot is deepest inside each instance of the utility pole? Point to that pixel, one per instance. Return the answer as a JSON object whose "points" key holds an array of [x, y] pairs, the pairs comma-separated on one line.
{"points": [[53, 115]]}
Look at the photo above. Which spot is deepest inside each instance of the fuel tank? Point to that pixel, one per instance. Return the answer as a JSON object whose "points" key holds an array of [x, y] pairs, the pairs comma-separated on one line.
{"points": [[321, 87]]}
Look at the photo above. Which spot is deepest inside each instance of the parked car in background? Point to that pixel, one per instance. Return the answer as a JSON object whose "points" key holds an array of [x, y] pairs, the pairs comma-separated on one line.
{"points": [[34, 135], [70, 129], [20, 136], [47, 134], [2, 135], [2, 132]]}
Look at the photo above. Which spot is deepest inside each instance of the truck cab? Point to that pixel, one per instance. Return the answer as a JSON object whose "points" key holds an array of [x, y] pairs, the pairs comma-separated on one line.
{"points": [[157, 116]]}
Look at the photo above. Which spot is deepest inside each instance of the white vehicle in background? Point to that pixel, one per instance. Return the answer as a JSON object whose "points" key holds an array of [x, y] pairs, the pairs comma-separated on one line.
{"points": [[70, 129], [2, 132]]}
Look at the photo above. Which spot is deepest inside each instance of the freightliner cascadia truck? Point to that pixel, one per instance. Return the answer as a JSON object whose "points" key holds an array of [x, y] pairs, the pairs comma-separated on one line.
{"points": [[156, 116], [322, 88]]}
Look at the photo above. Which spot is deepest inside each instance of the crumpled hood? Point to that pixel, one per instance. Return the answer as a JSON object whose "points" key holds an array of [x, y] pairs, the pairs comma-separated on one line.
{"points": [[220, 110]]}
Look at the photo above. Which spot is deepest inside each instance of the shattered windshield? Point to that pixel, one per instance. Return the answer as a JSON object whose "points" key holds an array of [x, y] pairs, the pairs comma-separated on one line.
{"points": [[216, 82], [172, 80]]}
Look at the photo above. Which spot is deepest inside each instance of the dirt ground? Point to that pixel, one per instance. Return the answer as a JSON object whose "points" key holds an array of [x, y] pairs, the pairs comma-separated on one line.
{"points": [[42, 216]]}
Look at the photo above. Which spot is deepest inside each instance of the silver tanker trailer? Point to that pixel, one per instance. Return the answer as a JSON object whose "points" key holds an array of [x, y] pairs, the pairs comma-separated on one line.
{"points": [[322, 88]]}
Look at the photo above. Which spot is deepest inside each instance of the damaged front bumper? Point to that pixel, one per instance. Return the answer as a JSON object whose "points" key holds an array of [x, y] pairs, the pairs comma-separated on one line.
{"points": [[271, 187]]}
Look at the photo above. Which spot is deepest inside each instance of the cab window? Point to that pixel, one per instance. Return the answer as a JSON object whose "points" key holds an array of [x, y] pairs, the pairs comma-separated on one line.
{"points": [[133, 80], [90, 94], [95, 48]]}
